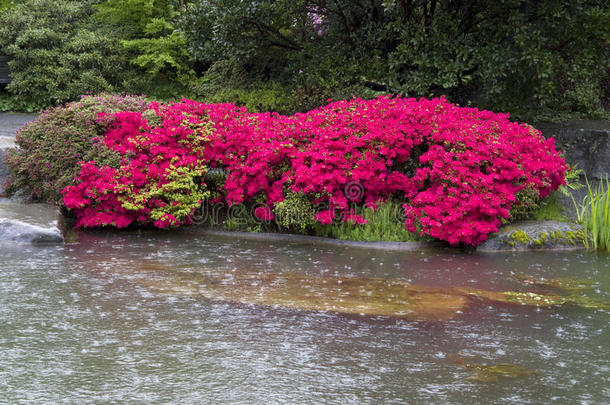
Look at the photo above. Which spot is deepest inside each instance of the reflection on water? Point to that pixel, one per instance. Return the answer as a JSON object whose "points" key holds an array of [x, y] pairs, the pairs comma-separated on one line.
{"points": [[94, 321]]}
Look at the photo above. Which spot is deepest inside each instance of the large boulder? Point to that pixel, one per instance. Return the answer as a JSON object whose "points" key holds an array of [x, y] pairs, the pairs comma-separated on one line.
{"points": [[533, 235], [16, 231]]}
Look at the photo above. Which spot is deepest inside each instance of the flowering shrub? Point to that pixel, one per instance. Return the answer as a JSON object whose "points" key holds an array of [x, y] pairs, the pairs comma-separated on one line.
{"points": [[49, 148], [456, 169], [160, 179]]}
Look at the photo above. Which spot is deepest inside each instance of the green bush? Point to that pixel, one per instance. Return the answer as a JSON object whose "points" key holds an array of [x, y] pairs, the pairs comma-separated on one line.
{"points": [[227, 81], [57, 54], [49, 148], [296, 213]]}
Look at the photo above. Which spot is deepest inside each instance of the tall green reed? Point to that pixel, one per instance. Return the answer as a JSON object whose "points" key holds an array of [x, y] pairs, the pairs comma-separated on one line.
{"points": [[594, 214]]}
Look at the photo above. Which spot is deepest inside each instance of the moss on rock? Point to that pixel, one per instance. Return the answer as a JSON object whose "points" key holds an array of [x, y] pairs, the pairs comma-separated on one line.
{"points": [[547, 235]]}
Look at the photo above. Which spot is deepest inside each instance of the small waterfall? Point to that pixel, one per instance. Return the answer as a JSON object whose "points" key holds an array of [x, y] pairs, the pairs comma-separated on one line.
{"points": [[28, 223], [21, 232], [5, 144]]}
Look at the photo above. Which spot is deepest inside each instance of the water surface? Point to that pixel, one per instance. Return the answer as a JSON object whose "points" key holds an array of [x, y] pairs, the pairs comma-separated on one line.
{"points": [[80, 323]]}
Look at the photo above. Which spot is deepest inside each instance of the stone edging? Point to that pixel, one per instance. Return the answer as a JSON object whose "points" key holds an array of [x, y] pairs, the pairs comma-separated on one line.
{"points": [[319, 240]]}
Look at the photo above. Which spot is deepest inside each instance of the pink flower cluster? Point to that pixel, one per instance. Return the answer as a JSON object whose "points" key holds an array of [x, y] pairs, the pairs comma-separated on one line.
{"points": [[144, 188], [457, 169]]}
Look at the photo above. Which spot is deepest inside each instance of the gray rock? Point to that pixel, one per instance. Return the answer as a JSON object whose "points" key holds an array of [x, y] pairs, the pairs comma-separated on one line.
{"points": [[532, 235]]}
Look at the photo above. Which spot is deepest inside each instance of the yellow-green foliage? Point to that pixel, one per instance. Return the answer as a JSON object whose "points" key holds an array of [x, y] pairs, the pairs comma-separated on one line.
{"points": [[184, 194], [295, 213]]}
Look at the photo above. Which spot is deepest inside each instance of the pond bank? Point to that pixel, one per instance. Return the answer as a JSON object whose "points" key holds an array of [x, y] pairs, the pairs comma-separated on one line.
{"points": [[586, 143]]}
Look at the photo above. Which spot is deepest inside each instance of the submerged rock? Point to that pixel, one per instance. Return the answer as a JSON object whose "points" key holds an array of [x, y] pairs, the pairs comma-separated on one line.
{"points": [[544, 235], [349, 295], [492, 372], [515, 297], [535, 300], [569, 285], [365, 296]]}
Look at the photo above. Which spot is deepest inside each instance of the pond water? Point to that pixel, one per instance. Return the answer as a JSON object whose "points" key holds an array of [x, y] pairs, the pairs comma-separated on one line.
{"points": [[84, 323]]}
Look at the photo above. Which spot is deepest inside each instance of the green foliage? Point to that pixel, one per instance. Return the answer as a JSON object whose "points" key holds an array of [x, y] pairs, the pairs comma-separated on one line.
{"points": [[549, 209], [159, 55], [49, 148], [594, 214], [149, 37], [6, 4], [526, 203], [56, 54], [184, 191], [296, 213], [542, 60], [10, 103], [384, 224], [258, 98], [133, 16], [535, 59], [228, 81], [572, 181]]}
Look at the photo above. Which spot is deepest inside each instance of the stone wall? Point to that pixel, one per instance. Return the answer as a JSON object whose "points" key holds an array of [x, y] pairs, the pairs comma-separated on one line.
{"points": [[585, 143]]}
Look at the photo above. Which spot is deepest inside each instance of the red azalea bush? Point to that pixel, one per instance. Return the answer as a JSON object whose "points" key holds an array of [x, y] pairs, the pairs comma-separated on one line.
{"points": [[457, 169], [159, 180]]}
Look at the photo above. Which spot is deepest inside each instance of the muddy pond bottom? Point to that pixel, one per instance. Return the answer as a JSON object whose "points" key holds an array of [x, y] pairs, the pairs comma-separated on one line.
{"points": [[177, 317]]}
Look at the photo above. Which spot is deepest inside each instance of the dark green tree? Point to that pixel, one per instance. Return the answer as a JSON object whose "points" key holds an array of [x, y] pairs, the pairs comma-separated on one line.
{"points": [[148, 35], [534, 58]]}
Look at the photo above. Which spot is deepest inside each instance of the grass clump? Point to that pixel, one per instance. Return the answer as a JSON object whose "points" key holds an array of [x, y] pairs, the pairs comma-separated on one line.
{"points": [[549, 209], [384, 224], [594, 214]]}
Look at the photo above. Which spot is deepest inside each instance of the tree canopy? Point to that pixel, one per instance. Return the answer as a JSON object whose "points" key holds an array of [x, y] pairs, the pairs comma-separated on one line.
{"points": [[536, 59]]}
